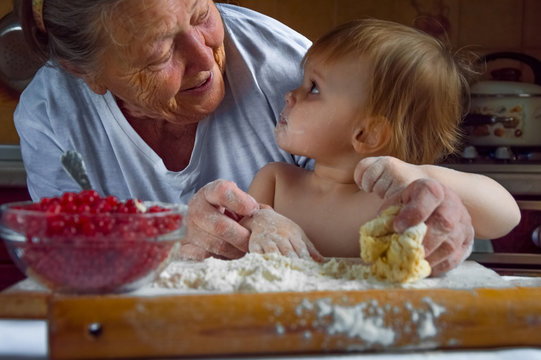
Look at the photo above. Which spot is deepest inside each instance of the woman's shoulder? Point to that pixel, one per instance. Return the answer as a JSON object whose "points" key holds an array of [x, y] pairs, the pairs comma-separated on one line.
{"points": [[251, 26], [52, 96], [49, 82], [53, 74], [231, 12]]}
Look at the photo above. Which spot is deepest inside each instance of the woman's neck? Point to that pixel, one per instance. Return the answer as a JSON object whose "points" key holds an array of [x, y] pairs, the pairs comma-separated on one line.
{"points": [[172, 142]]}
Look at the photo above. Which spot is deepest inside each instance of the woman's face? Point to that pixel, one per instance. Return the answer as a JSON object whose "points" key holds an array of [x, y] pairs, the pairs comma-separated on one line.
{"points": [[321, 115], [166, 59]]}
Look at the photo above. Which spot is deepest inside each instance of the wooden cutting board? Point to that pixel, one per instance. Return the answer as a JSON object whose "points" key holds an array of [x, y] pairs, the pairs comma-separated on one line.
{"points": [[293, 322], [157, 324]]}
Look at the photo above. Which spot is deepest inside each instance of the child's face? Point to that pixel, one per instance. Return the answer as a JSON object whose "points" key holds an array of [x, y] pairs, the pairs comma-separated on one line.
{"points": [[320, 116]]}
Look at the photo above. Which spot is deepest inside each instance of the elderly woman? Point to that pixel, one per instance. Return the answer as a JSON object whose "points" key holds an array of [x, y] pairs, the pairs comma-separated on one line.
{"points": [[164, 97]]}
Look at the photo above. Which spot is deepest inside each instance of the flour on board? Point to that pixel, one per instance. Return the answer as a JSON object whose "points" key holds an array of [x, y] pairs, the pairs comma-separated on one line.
{"points": [[274, 272]]}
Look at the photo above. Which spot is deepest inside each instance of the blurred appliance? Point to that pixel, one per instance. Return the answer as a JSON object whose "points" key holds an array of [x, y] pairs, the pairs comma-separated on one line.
{"points": [[503, 128], [503, 141]]}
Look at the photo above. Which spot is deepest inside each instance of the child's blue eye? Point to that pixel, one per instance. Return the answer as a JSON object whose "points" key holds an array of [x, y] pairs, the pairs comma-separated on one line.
{"points": [[314, 89]]}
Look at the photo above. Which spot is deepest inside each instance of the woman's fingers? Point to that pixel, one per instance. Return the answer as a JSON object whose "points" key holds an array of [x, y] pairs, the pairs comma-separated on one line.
{"points": [[211, 219], [226, 194], [449, 237]]}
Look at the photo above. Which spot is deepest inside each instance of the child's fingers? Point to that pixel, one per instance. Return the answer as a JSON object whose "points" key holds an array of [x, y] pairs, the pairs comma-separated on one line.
{"points": [[367, 172]]}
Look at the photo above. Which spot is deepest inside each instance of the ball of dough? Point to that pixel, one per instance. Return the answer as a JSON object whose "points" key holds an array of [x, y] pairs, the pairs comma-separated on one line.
{"points": [[396, 258]]}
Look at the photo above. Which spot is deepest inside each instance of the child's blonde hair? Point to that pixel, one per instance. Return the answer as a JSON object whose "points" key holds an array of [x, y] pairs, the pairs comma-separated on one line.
{"points": [[417, 84]]}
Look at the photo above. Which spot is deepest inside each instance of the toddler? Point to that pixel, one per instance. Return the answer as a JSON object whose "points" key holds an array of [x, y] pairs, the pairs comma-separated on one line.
{"points": [[379, 103]]}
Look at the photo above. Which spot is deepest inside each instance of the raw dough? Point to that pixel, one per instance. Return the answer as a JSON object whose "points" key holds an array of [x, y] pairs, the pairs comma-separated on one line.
{"points": [[397, 258]]}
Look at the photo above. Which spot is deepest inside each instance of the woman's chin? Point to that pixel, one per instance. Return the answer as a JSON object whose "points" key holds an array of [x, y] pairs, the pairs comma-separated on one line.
{"points": [[201, 106]]}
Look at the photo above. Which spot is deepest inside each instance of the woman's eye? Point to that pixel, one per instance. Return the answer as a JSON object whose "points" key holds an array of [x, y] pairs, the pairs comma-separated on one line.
{"points": [[155, 65], [314, 89], [203, 16]]}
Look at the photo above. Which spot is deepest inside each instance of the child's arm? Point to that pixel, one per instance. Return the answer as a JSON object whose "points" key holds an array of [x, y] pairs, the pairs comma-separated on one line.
{"points": [[493, 210]]}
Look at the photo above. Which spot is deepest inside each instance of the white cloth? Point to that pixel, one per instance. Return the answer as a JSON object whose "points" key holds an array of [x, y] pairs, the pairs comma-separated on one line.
{"points": [[58, 112]]}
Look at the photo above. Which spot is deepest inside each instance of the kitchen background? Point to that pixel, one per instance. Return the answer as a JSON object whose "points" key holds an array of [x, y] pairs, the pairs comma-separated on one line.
{"points": [[486, 26]]}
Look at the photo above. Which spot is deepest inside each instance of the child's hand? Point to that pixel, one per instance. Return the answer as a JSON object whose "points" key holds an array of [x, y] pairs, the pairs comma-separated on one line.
{"points": [[272, 232], [385, 175]]}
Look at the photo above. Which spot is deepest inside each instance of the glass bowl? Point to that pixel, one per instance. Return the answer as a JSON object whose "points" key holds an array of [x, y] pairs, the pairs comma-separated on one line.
{"points": [[88, 252]]}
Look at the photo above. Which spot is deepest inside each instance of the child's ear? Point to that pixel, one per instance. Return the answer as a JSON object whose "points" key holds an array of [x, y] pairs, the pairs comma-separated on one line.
{"points": [[91, 81], [371, 137]]}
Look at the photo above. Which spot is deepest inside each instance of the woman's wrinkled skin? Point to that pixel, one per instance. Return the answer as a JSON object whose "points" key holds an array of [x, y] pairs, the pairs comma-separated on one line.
{"points": [[165, 59], [210, 230], [449, 238]]}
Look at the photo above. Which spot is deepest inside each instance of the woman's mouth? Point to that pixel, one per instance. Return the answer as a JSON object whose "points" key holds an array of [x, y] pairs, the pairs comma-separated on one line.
{"points": [[201, 86]]}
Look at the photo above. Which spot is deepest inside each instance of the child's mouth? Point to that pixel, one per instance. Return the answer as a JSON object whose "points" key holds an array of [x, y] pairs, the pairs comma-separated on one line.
{"points": [[282, 119]]}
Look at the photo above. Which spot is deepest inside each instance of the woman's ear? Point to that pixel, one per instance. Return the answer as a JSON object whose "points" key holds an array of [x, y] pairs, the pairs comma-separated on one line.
{"points": [[91, 81], [371, 137]]}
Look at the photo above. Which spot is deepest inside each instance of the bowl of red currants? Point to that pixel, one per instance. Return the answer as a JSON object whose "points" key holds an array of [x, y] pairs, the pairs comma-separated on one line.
{"points": [[83, 243]]}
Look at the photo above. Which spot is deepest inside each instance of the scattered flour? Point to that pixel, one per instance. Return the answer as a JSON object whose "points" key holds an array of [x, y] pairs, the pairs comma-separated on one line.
{"points": [[371, 322], [264, 273], [273, 272], [364, 321]]}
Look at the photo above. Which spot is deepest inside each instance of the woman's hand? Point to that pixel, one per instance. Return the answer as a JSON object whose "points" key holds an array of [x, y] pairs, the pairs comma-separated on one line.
{"points": [[449, 238], [275, 233], [212, 222]]}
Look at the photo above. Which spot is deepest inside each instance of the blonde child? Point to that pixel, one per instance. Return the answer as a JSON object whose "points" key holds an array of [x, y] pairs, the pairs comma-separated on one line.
{"points": [[378, 104]]}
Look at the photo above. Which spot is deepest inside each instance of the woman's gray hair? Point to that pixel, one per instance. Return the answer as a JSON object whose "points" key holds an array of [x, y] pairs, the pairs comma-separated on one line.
{"points": [[76, 30]]}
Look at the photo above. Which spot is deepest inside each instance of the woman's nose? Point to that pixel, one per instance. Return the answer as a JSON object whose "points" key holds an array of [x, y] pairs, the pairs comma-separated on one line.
{"points": [[197, 55]]}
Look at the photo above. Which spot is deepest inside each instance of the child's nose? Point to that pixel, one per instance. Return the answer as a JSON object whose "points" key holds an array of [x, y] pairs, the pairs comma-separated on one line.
{"points": [[290, 99]]}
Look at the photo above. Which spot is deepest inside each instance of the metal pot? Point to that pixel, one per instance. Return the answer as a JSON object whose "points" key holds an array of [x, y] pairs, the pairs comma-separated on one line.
{"points": [[506, 113], [18, 63]]}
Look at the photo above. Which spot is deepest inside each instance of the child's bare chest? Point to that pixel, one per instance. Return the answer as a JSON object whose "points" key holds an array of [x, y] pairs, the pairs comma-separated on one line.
{"points": [[331, 221]]}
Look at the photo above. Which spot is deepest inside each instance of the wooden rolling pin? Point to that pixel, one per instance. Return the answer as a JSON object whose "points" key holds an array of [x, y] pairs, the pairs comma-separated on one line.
{"points": [[292, 322]]}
